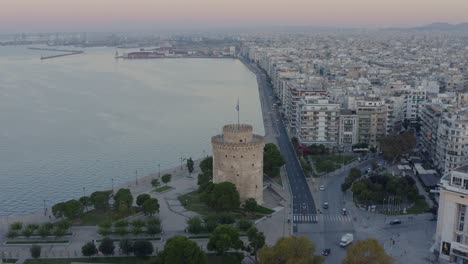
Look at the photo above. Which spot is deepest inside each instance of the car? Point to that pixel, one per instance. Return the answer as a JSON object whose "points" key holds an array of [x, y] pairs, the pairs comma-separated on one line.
{"points": [[325, 205], [322, 187], [326, 252], [369, 170], [344, 211], [304, 207], [395, 222]]}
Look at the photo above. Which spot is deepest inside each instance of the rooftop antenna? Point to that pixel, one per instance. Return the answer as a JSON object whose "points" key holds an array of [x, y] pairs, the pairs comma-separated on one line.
{"points": [[237, 108]]}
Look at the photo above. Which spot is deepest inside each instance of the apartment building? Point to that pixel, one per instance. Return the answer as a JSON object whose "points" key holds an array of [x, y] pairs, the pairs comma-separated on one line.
{"points": [[318, 121], [430, 116], [348, 129], [414, 98], [452, 140], [372, 120], [451, 238]]}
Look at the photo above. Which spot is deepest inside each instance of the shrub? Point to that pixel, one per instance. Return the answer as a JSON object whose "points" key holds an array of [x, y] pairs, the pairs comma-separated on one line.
{"points": [[142, 248], [244, 225], [35, 251]]}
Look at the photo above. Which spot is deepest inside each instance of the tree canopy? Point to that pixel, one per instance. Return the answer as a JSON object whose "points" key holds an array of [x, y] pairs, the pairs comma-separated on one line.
{"points": [[366, 251], [107, 246], [221, 196], [223, 238], [89, 249], [395, 146], [206, 175], [155, 183], [195, 225], [142, 198], [272, 160], [35, 251], [353, 175], [181, 250], [100, 199], [151, 206], [289, 250], [256, 240], [166, 178], [142, 248], [190, 164]]}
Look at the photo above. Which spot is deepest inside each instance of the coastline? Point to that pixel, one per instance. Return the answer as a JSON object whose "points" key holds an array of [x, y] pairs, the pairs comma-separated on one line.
{"points": [[144, 185]]}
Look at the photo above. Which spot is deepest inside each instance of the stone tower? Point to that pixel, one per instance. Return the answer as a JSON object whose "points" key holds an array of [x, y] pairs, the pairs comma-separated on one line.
{"points": [[238, 158]]}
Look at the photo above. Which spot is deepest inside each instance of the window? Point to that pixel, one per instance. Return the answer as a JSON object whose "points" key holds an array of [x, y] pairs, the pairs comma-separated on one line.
{"points": [[456, 181], [458, 238]]}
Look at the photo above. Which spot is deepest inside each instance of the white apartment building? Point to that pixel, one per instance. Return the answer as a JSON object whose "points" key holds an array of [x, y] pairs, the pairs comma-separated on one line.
{"points": [[348, 129], [451, 238], [452, 140], [318, 121]]}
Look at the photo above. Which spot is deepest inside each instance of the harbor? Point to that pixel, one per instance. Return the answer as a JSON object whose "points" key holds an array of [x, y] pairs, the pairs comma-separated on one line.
{"points": [[66, 52]]}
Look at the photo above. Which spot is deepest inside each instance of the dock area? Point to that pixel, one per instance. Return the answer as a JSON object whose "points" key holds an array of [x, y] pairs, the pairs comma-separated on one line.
{"points": [[67, 52]]}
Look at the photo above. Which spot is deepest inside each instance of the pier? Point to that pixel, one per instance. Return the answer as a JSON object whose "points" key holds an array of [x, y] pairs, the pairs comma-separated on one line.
{"points": [[67, 52]]}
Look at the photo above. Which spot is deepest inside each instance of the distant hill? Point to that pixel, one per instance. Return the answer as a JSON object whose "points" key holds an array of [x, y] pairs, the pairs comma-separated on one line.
{"points": [[443, 26]]}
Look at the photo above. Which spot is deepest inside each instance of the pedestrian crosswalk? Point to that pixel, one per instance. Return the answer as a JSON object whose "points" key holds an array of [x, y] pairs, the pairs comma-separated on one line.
{"points": [[314, 218]]}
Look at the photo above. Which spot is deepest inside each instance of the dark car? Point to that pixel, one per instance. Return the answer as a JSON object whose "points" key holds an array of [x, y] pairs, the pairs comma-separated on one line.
{"points": [[326, 252], [395, 222], [325, 205]]}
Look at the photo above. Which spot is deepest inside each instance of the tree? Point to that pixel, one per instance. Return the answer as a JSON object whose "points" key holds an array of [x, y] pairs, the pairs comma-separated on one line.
{"points": [[142, 198], [223, 238], [272, 160], [155, 183], [126, 246], [206, 175], [59, 232], [250, 205], [72, 209], [374, 165], [166, 178], [35, 251], [57, 210], [290, 249], [27, 232], [85, 200], [244, 225], [195, 225], [107, 246], [124, 196], [256, 240], [151, 206], [142, 248], [190, 165], [181, 250], [395, 146], [100, 200], [221, 196], [367, 251], [89, 249]]}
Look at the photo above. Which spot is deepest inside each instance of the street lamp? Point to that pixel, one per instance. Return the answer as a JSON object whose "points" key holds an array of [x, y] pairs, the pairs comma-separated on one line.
{"points": [[159, 170], [112, 185], [136, 177], [45, 208]]}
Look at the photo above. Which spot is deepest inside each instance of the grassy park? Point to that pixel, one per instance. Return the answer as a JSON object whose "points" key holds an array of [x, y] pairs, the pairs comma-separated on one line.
{"points": [[192, 202], [330, 162], [162, 189]]}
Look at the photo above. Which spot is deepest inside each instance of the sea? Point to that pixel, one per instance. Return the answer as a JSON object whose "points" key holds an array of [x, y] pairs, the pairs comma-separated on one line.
{"points": [[76, 123]]}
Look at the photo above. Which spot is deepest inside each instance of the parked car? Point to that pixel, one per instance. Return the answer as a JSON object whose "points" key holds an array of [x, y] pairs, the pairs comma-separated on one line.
{"points": [[395, 222], [304, 207], [325, 205], [344, 211], [326, 252], [322, 187]]}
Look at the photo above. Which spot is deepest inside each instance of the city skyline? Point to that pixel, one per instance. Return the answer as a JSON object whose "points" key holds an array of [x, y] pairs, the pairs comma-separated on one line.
{"points": [[122, 15]]}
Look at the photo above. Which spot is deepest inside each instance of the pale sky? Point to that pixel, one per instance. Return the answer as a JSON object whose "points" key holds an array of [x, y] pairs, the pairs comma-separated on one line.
{"points": [[72, 15]]}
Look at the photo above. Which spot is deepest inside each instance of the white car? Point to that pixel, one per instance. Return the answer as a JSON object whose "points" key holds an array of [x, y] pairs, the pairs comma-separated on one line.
{"points": [[322, 187]]}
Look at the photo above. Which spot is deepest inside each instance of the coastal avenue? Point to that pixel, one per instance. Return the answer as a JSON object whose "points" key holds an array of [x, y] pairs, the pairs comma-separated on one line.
{"points": [[303, 205]]}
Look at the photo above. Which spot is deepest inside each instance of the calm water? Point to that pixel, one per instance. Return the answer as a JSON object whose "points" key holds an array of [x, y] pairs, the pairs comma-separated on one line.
{"points": [[79, 121]]}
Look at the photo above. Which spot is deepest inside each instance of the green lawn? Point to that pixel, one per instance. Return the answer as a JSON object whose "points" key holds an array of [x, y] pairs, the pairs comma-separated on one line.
{"points": [[162, 188], [331, 162], [113, 260], [9, 260], [97, 217], [191, 201]]}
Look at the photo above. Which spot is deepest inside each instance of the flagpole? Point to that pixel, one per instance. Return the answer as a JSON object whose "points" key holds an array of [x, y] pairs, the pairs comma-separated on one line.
{"points": [[238, 119]]}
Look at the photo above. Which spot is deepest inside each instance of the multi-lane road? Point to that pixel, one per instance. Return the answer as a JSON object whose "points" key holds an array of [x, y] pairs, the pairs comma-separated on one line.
{"points": [[323, 226]]}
